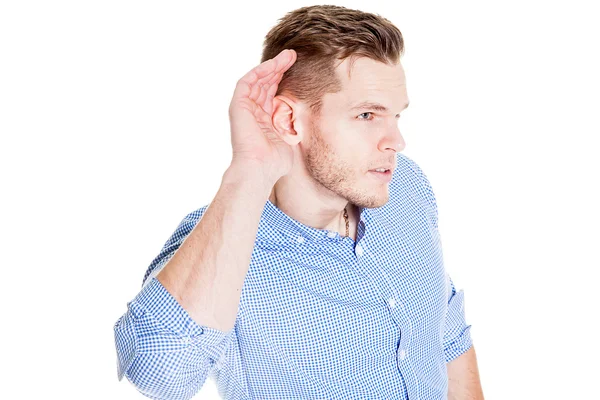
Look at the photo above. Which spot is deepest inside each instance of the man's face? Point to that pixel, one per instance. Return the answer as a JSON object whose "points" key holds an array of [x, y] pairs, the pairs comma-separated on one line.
{"points": [[350, 140]]}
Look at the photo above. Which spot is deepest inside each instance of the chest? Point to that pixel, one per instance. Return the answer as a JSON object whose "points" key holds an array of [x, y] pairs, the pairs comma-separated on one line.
{"points": [[322, 308]]}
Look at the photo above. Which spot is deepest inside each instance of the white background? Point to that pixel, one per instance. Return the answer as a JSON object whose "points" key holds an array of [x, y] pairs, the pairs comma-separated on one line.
{"points": [[114, 126]]}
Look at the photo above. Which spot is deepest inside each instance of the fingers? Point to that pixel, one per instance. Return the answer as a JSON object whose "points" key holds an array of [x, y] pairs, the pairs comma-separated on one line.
{"points": [[262, 88], [267, 92], [280, 63], [255, 91], [268, 104], [268, 72], [262, 94]]}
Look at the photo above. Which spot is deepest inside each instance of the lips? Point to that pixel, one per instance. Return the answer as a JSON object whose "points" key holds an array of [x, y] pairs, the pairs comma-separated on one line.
{"points": [[381, 176], [388, 168]]}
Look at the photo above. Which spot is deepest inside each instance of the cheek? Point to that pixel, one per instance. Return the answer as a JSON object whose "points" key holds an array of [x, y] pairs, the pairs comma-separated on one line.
{"points": [[359, 143], [354, 132], [362, 133], [350, 143]]}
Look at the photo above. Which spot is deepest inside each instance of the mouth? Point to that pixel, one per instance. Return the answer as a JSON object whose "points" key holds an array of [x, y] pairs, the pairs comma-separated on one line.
{"points": [[384, 175]]}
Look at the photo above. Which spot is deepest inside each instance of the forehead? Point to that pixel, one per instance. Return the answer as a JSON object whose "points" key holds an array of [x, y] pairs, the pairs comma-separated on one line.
{"points": [[369, 80]]}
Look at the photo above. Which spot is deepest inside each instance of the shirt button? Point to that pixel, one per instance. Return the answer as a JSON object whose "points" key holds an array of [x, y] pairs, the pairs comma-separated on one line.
{"points": [[300, 239], [359, 250], [392, 302], [331, 234], [402, 354]]}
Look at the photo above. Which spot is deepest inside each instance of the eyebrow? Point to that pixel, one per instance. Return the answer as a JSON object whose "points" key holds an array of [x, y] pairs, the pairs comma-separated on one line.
{"points": [[374, 106]]}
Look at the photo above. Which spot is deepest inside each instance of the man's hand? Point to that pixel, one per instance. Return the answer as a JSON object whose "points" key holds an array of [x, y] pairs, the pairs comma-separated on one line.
{"points": [[253, 138]]}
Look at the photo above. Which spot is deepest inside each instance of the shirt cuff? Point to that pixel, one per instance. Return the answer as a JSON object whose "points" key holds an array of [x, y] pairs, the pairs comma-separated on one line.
{"points": [[457, 334]]}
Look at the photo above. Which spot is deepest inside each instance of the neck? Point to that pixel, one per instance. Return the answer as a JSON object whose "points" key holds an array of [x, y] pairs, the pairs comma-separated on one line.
{"points": [[327, 214]]}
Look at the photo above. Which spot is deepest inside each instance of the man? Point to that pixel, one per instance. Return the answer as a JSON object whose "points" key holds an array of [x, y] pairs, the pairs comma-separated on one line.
{"points": [[316, 272]]}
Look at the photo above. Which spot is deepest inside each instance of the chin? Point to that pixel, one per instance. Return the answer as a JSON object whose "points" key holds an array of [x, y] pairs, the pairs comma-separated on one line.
{"points": [[382, 201], [369, 197]]}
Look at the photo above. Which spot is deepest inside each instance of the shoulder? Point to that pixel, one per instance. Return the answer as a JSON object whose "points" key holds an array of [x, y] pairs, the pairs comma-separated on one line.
{"points": [[406, 167], [184, 228], [187, 224], [195, 215], [407, 177], [410, 180]]}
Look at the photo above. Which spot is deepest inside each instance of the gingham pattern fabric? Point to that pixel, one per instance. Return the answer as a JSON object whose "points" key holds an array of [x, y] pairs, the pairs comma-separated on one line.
{"points": [[320, 317]]}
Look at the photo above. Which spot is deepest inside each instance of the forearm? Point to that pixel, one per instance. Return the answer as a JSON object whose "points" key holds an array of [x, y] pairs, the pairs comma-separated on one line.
{"points": [[463, 377], [207, 272]]}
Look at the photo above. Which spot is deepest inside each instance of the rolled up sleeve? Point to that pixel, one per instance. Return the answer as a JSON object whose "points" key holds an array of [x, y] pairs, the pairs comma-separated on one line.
{"points": [[457, 333], [161, 349]]}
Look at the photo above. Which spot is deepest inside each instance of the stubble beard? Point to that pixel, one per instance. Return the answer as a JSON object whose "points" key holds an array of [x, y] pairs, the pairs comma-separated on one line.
{"points": [[337, 175]]}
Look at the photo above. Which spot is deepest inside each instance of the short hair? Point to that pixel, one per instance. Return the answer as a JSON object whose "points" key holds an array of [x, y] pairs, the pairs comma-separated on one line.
{"points": [[322, 35]]}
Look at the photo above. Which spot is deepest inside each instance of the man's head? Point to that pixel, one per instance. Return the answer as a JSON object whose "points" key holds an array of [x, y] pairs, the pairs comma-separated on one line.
{"points": [[344, 58]]}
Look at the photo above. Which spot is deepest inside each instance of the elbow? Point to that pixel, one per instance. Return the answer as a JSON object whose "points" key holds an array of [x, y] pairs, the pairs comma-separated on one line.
{"points": [[166, 376], [155, 372]]}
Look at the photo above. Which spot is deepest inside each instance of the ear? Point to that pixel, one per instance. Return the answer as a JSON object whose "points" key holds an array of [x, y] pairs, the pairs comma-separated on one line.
{"points": [[285, 113]]}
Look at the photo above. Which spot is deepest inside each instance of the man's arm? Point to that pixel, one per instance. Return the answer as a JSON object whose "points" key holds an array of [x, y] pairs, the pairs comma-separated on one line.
{"points": [[207, 273], [182, 320], [463, 377]]}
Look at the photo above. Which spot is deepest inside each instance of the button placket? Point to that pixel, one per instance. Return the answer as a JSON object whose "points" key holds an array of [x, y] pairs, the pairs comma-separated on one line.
{"points": [[359, 250], [402, 354]]}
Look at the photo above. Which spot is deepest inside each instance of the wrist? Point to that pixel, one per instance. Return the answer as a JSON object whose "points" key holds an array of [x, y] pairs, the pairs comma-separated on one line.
{"points": [[250, 174]]}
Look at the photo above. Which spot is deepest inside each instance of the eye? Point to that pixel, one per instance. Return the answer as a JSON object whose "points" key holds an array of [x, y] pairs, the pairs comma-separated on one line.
{"points": [[365, 113]]}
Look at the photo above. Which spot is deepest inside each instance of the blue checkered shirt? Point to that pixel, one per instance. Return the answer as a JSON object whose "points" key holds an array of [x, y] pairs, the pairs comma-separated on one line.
{"points": [[321, 316]]}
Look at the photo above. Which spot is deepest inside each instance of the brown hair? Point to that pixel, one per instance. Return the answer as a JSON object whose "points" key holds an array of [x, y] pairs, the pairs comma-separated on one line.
{"points": [[322, 35]]}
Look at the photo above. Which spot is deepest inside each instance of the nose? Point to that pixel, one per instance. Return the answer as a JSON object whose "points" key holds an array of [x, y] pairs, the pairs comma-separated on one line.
{"points": [[392, 140]]}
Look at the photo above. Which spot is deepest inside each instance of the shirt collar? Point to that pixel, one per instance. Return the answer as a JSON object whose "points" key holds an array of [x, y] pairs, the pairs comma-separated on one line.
{"points": [[277, 226]]}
